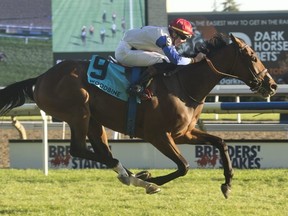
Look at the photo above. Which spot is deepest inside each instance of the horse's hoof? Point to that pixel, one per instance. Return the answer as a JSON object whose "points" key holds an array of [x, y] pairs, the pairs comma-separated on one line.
{"points": [[143, 175], [152, 189], [124, 179], [226, 190]]}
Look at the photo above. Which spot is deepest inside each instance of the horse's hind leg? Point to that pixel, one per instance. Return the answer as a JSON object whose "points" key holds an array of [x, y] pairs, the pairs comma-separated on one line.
{"points": [[79, 129], [99, 141]]}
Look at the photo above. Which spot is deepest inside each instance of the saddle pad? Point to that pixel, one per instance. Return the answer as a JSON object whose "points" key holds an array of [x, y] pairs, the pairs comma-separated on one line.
{"points": [[108, 77]]}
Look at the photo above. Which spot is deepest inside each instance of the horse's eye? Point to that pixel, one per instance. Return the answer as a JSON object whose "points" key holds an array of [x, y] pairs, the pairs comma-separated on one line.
{"points": [[253, 58]]}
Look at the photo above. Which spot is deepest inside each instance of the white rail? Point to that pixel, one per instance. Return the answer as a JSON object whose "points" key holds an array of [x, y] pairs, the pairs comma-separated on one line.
{"points": [[243, 90], [33, 110]]}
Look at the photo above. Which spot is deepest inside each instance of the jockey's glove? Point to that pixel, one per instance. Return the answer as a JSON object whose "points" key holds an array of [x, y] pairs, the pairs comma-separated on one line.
{"points": [[199, 57]]}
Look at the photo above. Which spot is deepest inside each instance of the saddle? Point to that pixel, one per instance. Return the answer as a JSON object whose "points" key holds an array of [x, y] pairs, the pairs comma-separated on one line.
{"points": [[112, 78], [138, 90], [115, 79]]}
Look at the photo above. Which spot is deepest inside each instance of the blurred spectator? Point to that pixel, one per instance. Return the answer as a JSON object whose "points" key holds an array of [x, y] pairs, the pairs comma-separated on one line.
{"points": [[123, 25], [102, 35], [83, 35], [91, 30], [104, 16], [113, 29], [114, 17]]}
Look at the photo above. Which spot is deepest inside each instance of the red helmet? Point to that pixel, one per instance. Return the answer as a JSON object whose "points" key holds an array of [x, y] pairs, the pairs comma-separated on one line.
{"points": [[182, 27]]}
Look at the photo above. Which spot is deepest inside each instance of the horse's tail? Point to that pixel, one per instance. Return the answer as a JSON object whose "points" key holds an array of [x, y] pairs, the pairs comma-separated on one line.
{"points": [[15, 95]]}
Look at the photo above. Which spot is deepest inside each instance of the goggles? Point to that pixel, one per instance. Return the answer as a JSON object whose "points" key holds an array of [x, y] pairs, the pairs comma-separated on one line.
{"points": [[183, 37]]}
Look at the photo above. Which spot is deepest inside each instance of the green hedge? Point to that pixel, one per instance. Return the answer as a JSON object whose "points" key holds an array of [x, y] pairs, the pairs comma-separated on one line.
{"points": [[24, 60]]}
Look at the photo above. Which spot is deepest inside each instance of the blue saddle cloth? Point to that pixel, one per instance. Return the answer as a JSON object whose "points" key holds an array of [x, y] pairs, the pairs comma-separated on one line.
{"points": [[108, 77], [111, 78]]}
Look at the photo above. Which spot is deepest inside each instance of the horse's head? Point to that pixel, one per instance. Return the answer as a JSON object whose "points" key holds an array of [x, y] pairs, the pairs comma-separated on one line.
{"points": [[251, 70]]}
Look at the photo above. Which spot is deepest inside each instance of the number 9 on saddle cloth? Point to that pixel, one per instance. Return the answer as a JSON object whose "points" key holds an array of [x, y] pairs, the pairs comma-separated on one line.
{"points": [[116, 79], [109, 77]]}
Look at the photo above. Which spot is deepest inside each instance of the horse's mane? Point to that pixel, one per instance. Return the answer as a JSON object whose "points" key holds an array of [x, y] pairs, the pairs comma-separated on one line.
{"points": [[218, 41]]}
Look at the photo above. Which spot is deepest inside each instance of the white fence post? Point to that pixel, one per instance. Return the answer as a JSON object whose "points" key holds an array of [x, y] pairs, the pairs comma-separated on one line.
{"points": [[238, 114], [45, 142], [216, 100]]}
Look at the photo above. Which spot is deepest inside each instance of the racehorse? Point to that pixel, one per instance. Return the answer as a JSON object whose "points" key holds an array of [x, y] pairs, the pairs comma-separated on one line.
{"points": [[165, 121]]}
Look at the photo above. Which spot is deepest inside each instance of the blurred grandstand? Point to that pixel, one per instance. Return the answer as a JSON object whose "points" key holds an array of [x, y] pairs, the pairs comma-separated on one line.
{"points": [[25, 12], [25, 17]]}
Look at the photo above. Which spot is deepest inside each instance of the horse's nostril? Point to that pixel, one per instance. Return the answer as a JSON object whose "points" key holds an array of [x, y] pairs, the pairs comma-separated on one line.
{"points": [[274, 86]]}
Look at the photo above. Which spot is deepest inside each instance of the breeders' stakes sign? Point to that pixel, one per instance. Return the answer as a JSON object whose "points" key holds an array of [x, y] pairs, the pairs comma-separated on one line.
{"points": [[27, 154]]}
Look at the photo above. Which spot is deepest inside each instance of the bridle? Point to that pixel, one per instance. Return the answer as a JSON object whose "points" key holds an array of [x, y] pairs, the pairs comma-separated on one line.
{"points": [[256, 83]]}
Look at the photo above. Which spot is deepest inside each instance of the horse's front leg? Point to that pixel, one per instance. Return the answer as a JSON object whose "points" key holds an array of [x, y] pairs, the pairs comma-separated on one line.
{"points": [[99, 141], [130, 178], [196, 136], [166, 145]]}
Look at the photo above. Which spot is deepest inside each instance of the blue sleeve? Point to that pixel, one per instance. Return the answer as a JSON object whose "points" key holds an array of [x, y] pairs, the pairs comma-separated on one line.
{"points": [[174, 57], [170, 51]]}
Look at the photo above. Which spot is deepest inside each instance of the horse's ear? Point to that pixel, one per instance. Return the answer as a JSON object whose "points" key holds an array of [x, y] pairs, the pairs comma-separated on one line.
{"points": [[233, 38]]}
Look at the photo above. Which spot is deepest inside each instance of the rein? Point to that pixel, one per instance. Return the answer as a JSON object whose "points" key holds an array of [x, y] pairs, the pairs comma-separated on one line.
{"points": [[214, 69], [257, 84], [255, 75]]}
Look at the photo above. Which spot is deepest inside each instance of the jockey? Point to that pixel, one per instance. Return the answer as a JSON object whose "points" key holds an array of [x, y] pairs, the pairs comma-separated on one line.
{"points": [[149, 45]]}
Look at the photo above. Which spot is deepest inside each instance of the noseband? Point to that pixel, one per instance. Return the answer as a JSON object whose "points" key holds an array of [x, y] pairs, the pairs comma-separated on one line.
{"points": [[255, 83]]}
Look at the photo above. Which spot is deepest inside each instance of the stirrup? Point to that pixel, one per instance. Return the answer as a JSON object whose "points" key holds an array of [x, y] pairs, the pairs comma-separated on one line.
{"points": [[135, 90], [140, 92], [112, 59]]}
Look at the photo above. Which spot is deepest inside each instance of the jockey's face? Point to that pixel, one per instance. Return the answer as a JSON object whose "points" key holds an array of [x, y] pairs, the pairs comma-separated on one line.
{"points": [[177, 39]]}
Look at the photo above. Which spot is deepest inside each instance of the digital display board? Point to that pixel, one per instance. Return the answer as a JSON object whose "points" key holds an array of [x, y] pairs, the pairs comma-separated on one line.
{"points": [[83, 28]]}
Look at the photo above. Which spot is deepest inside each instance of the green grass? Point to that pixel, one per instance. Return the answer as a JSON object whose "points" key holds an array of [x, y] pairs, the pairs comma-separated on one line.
{"points": [[24, 60], [204, 116], [98, 192]]}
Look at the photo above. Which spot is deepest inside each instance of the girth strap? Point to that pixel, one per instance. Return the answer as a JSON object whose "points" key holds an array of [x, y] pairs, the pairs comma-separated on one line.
{"points": [[132, 103]]}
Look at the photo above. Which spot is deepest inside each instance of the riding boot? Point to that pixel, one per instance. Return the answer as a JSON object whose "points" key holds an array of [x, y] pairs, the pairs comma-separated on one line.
{"points": [[139, 89]]}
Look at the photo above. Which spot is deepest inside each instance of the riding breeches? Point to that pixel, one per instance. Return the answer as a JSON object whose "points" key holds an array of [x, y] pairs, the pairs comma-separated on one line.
{"points": [[128, 56]]}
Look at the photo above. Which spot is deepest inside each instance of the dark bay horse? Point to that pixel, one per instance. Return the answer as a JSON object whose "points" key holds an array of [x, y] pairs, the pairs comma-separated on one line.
{"points": [[168, 119]]}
